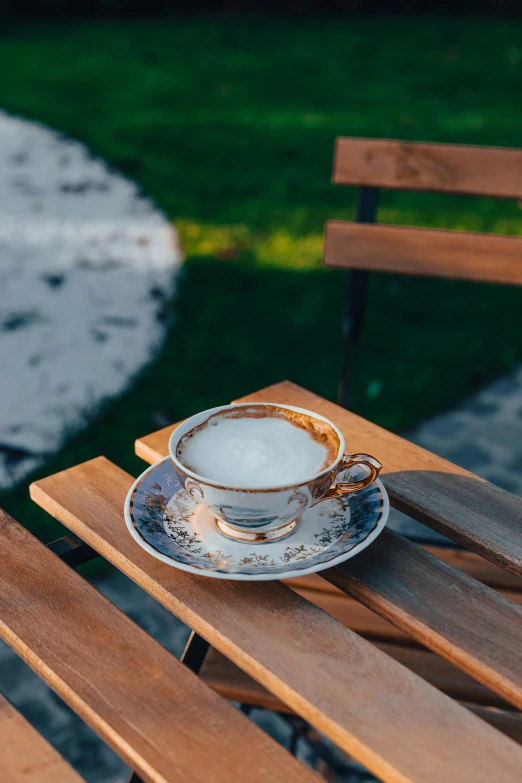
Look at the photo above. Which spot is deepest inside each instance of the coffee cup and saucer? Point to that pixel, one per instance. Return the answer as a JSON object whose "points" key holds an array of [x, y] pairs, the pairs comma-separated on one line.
{"points": [[257, 491]]}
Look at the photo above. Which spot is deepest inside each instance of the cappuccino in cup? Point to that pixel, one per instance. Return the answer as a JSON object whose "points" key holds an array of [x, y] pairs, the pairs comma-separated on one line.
{"points": [[258, 466], [257, 449]]}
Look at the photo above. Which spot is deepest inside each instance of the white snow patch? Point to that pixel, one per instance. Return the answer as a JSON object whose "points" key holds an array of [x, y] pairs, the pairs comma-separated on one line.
{"points": [[86, 265]]}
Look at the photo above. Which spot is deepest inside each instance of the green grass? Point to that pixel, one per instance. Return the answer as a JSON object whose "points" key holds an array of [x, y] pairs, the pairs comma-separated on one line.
{"points": [[230, 126]]}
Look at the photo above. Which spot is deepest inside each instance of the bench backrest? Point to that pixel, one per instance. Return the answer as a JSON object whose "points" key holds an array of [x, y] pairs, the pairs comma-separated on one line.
{"points": [[449, 168]]}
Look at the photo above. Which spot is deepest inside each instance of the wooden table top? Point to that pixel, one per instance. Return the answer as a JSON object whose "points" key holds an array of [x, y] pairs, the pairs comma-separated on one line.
{"points": [[169, 725]]}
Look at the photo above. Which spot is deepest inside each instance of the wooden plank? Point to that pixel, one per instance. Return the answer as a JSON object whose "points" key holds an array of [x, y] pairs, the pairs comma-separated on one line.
{"points": [[233, 683], [424, 252], [154, 712], [443, 675], [358, 617], [457, 617], [465, 561], [509, 723], [353, 614], [449, 168], [154, 446], [25, 757], [471, 511], [476, 566], [397, 725]]}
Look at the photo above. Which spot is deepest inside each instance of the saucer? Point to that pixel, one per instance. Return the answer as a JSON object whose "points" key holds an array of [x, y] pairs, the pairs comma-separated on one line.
{"points": [[170, 525]]}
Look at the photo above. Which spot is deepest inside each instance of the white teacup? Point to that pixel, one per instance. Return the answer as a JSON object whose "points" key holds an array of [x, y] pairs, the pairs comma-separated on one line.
{"points": [[270, 509]]}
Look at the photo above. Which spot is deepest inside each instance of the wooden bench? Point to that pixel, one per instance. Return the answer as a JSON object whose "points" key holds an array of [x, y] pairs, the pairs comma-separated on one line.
{"points": [[365, 700], [363, 246]]}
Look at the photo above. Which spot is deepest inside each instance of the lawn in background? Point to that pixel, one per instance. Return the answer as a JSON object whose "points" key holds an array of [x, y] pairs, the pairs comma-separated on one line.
{"points": [[230, 125]]}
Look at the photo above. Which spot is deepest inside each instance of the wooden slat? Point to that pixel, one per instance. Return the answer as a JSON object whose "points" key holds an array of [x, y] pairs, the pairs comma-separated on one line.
{"points": [[459, 618], [443, 675], [397, 725], [509, 723], [465, 561], [358, 617], [155, 713], [25, 757], [451, 168], [353, 614], [233, 683], [449, 499], [476, 566], [424, 252]]}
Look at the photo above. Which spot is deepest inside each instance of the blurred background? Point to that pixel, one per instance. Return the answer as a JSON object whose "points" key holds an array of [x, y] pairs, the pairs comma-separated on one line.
{"points": [[183, 155]]}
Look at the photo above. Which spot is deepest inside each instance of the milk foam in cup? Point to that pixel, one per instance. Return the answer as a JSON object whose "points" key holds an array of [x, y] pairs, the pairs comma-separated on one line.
{"points": [[252, 452]]}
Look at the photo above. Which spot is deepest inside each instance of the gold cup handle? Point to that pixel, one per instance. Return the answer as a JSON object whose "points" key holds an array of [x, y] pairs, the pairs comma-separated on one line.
{"points": [[338, 489]]}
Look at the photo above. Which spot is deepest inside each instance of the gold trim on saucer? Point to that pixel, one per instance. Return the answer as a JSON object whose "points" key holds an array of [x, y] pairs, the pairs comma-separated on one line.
{"points": [[257, 536]]}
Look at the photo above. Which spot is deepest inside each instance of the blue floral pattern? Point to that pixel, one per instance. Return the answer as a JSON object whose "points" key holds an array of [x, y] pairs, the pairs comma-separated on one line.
{"points": [[161, 513]]}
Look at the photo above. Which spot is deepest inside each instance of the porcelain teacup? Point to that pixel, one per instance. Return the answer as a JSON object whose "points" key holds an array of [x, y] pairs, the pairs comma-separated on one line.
{"points": [[268, 512]]}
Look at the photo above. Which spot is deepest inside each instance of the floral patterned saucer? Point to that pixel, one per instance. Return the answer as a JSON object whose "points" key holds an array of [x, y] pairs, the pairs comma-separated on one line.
{"points": [[169, 524]]}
